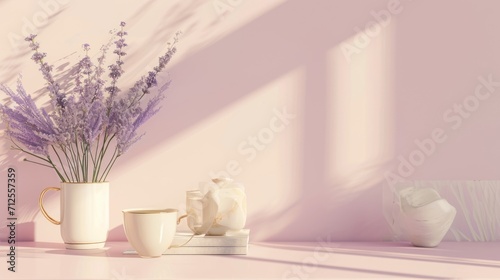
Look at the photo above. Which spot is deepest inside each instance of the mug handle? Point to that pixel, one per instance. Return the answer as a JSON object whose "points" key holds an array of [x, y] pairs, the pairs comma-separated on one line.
{"points": [[40, 203], [194, 234], [180, 218], [178, 222]]}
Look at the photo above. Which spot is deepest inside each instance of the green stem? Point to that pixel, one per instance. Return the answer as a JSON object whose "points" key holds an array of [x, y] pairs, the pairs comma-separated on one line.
{"points": [[82, 162], [105, 146], [110, 164], [57, 171], [85, 148], [48, 160], [78, 158], [60, 161], [94, 160], [38, 163], [72, 162], [100, 157]]}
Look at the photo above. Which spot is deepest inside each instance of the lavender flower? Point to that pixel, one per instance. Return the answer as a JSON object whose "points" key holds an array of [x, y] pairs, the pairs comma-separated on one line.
{"points": [[46, 70], [28, 125], [115, 70], [151, 79], [84, 121]]}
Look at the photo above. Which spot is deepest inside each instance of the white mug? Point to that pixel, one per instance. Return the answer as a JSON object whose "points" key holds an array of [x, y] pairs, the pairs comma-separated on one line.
{"points": [[150, 231], [84, 214]]}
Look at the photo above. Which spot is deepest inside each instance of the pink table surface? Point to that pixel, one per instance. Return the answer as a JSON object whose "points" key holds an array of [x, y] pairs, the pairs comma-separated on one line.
{"points": [[312, 260]]}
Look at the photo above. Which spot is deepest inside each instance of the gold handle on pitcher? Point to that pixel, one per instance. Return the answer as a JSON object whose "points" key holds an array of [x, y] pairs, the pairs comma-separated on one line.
{"points": [[40, 203]]}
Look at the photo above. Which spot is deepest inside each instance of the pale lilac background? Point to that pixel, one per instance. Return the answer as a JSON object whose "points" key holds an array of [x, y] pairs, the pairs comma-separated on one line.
{"points": [[323, 174]]}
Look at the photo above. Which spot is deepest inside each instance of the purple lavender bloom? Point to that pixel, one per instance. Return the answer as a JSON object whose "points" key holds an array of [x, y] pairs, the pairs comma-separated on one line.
{"points": [[27, 124], [116, 69], [93, 122], [151, 109], [46, 69], [151, 79], [37, 57], [31, 37], [121, 34], [85, 119]]}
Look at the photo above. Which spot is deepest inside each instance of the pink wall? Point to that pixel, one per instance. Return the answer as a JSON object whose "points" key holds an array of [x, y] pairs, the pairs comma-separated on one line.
{"points": [[322, 175]]}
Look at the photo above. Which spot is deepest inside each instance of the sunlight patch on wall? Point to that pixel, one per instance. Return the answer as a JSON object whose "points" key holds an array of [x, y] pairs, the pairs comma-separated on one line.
{"points": [[360, 121]]}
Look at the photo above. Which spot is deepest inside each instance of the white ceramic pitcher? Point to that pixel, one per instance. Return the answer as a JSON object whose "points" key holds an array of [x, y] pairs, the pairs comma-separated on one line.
{"points": [[84, 214]]}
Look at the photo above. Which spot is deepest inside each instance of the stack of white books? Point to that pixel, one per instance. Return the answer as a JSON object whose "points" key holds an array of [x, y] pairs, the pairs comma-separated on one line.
{"points": [[233, 243]]}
